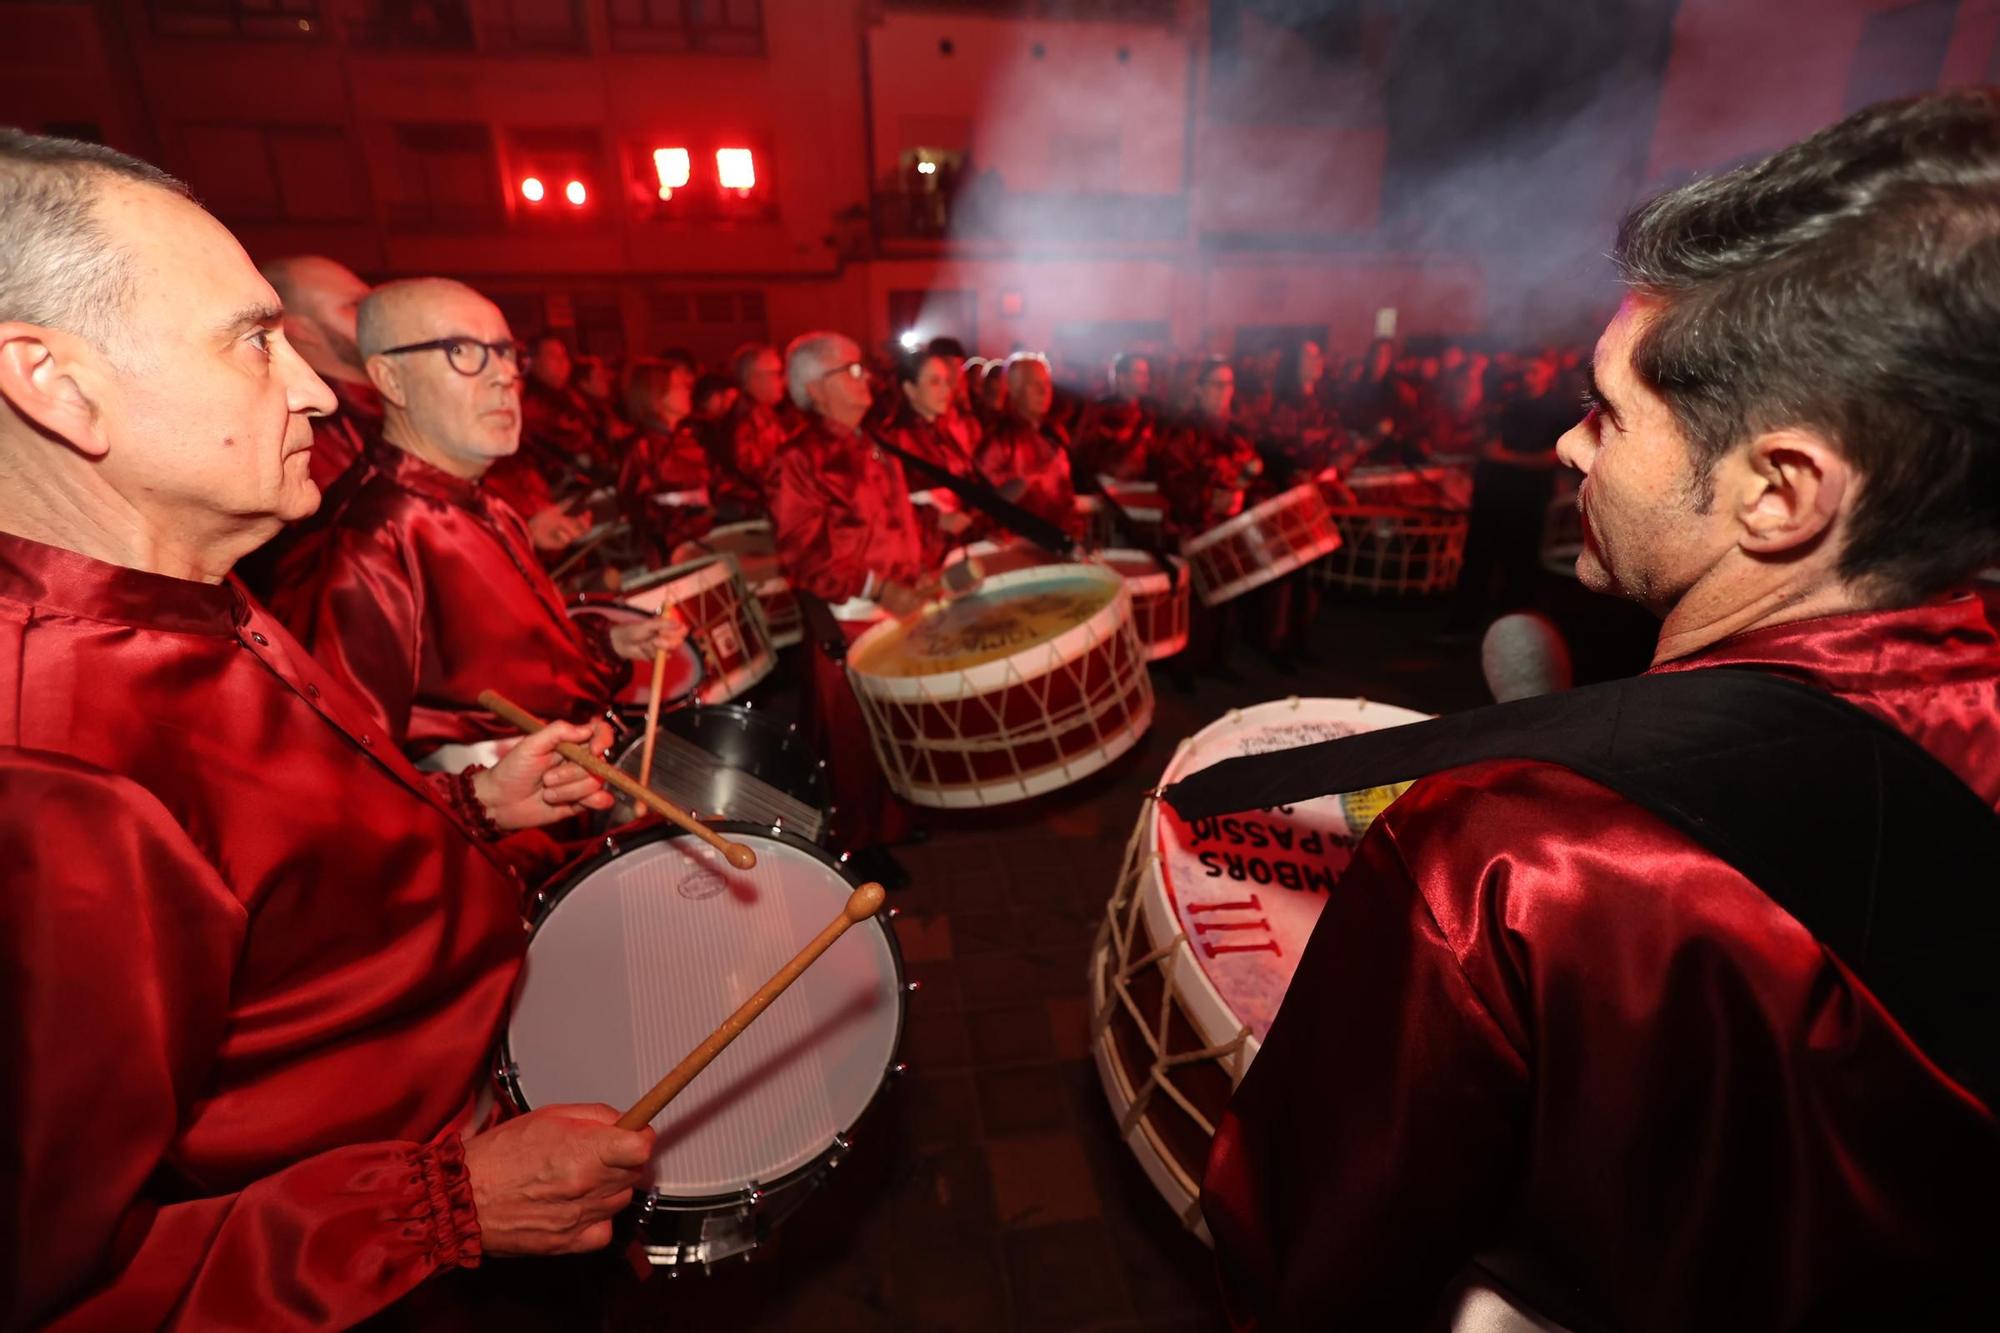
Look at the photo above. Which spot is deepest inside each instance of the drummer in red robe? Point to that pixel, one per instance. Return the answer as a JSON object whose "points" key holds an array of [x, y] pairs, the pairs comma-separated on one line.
{"points": [[1025, 456], [664, 481], [1116, 437], [848, 535], [253, 965], [1206, 469], [1538, 1024], [322, 298], [423, 590], [929, 424], [748, 439]]}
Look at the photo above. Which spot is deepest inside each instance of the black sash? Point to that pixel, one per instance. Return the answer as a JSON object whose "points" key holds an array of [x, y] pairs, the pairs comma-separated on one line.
{"points": [[1860, 833], [987, 501]]}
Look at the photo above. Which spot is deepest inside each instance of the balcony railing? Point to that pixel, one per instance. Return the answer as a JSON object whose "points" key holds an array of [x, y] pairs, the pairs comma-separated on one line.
{"points": [[975, 215], [470, 25]]}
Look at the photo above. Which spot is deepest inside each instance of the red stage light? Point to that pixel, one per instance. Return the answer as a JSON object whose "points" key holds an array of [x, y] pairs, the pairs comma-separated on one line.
{"points": [[531, 189], [575, 193], [672, 166], [736, 169]]}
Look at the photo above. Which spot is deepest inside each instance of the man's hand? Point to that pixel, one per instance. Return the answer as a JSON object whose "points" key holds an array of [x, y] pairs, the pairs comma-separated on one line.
{"points": [[901, 599], [532, 785], [951, 522], [639, 640], [550, 1181], [552, 528]]}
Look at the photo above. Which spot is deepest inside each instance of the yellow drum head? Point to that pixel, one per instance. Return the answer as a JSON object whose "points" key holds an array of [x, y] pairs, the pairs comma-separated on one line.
{"points": [[985, 626]]}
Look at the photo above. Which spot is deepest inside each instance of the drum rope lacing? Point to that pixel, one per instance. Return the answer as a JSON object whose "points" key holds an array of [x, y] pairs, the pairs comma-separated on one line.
{"points": [[1123, 928]]}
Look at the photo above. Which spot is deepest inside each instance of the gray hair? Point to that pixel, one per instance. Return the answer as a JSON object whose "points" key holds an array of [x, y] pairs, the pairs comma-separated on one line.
{"points": [[58, 267], [809, 357]]}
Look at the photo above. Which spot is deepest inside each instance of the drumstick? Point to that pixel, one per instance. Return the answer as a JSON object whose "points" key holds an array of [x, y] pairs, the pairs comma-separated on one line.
{"points": [[590, 543], [653, 706], [512, 713], [863, 903]]}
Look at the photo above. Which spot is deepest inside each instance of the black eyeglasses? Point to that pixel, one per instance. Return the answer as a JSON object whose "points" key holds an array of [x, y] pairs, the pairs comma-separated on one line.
{"points": [[468, 356]]}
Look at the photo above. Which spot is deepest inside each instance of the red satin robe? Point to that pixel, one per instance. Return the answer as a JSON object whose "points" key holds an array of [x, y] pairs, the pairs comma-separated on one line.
{"points": [[1017, 450], [952, 441], [664, 485], [745, 446], [844, 522], [251, 969], [1205, 469], [423, 591], [560, 436], [1116, 439], [1539, 1022], [339, 438]]}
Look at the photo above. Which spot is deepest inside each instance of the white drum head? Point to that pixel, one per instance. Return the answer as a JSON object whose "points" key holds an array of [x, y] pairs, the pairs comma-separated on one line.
{"points": [[1247, 889], [647, 952]]}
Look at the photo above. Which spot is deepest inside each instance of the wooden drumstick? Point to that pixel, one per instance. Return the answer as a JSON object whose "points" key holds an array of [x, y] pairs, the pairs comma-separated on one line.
{"points": [[863, 903], [653, 705], [734, 852]]}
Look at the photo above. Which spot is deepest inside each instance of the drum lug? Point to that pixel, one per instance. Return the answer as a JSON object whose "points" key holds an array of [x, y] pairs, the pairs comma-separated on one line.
{"points": [[894, 912], [841, 1146], [611, 844], [912, 987], [898, 1069]]}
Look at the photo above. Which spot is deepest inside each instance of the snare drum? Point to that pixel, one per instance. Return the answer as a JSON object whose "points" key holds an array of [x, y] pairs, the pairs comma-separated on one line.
{"points": [[1203, 933], [731, 762], [723, 620], [1261, 545], [684, 671], [754, 548], [636, 957], [1031, 683]]}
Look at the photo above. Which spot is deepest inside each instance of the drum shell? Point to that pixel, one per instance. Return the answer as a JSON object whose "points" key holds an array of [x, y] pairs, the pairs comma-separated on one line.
{"points": [[1261, 545], [685, 668], [753, 546], [1015, 727], [723, 620], [1388, 551], [703, 1228]]}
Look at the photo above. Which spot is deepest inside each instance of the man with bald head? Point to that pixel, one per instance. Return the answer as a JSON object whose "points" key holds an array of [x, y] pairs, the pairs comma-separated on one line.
{"points": [[422, 589], [253, 965]]}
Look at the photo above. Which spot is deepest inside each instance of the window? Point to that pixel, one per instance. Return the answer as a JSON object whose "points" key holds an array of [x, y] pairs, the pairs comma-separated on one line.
{"points": [[236, 18], [678, 179], [443, 176], [718, 27], [469, 25], [262, 173]]}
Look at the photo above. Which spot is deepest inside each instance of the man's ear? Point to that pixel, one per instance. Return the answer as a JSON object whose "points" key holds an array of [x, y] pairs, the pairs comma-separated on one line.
{"points": [[387, 377], [1793, 488], [55, 380]]}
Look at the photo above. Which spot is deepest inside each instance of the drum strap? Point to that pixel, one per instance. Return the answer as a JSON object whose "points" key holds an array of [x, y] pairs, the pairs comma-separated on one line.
{"points": [[1875, 846], [987, 501]]}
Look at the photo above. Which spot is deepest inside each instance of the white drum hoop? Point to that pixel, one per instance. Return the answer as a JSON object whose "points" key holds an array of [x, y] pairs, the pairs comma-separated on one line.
{"points": [[721, 1210], [691, 578], [1249, 524]]}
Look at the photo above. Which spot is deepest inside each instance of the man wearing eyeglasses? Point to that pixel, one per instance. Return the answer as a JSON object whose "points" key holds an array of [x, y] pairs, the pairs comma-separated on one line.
{"points": [[422, 589]]}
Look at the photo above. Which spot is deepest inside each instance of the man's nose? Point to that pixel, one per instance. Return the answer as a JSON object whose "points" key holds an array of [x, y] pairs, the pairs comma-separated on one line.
{"points": [[1576, 449]]}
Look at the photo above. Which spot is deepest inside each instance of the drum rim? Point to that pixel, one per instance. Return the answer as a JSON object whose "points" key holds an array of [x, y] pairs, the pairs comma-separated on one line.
{"points": [[1304, 492], [972, 681], [761, 719], [596, 603], [685, 570], [614, 845]]}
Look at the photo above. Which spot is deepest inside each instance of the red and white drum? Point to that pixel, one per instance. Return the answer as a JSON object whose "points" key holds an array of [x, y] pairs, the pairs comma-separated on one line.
{"points": [[1144, 508], [638, 954], [1159, 595], [1034, 681], [1204, 931], [684, 670], [754, 548], [723, 622], [1260, 545], [1094, 517]]}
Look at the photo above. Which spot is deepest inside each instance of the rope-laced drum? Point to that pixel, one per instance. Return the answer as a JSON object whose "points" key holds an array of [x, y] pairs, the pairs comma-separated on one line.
{"points": [[724, 622], [1159, 593], [1397, 552], [1034, 681], [754, 548], [1204, 930], [1261, 545]]}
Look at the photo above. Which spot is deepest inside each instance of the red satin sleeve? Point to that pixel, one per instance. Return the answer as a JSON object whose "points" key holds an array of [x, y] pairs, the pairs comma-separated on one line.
{"points": [[366, 624], [120, 944], [1377, 1132], [818, 553]]}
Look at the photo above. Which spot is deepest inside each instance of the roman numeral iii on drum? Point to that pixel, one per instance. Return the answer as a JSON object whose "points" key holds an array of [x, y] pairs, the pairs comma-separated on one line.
{"points": [[1231, 940]]}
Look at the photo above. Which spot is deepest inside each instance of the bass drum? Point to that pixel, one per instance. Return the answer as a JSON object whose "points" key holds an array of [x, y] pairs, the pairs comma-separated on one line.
{"points": [[733, 762], [636, 957]]}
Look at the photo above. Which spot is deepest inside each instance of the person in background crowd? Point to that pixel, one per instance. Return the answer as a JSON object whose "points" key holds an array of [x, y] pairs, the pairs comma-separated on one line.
{"points": [[423, 590], [1024, 455], [848, 535], [989, 393], [1118, 436], [1206, 468], [1511, 490], [928, 424], [1301, 430], [253, 966], [748, 441], [558, 427], [664, 482], [321, 297]]}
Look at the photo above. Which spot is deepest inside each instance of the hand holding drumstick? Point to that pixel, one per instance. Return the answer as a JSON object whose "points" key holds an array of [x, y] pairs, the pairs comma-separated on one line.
{"points": [[668, 642], [734, 852]]}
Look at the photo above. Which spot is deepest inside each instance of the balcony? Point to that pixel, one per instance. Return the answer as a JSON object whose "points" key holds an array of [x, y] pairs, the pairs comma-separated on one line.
{"points": [[982, 213], [491, 26]]}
